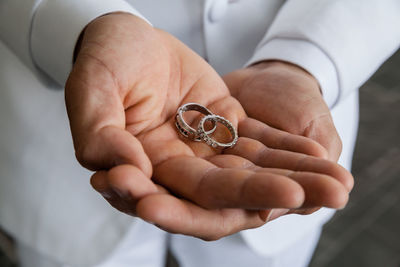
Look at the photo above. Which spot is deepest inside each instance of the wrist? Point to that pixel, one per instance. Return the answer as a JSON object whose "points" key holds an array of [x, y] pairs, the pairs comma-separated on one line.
{"points": [[290, 70], [80, 38], [110, 25]]}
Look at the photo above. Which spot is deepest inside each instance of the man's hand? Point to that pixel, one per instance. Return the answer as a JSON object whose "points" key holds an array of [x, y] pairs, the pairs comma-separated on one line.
{"points": [[122, 94], [286, 97]]}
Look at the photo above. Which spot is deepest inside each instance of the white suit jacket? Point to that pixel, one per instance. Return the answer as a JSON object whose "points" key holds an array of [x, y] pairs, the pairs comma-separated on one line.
{"points": [[45, 197]]}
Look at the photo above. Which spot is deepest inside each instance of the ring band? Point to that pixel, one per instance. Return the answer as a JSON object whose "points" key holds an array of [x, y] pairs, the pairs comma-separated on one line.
{"points": [[184, 128], [210, 141]]}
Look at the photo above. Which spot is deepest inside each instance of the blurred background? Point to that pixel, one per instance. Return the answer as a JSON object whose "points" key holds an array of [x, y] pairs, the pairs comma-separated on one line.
{"points": [[367, 232]]}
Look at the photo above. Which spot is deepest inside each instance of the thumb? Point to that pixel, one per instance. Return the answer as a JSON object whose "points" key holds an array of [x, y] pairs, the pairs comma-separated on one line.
{"points": [[108, 147], [322, 130], [97, 120]]}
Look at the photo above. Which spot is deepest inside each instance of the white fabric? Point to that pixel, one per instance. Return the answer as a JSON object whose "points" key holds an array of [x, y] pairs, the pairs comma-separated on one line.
{"points": [[15, 31], [308, 56], [231, 41], [233, 251], [45, 198], [56, 27], [15, 26], [143, 245], [357, 35]]}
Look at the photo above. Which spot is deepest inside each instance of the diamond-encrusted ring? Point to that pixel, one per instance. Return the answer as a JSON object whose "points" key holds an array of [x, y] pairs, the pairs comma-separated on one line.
{"points": [[184, 128], [210, 141]]}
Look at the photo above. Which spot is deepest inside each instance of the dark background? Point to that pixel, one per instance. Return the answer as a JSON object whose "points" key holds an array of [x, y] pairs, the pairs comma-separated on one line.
{"points": [[367, 232]]}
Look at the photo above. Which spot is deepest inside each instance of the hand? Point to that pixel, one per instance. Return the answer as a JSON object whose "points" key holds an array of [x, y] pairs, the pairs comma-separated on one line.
{"points": [[122, 94], [286, 97]]}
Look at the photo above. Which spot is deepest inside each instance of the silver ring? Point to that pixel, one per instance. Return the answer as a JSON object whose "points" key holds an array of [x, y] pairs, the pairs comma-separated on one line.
{"points": [[185, 128], [210, 141]]}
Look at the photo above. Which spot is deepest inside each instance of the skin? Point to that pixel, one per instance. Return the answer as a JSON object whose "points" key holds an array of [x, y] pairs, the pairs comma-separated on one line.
{"points": [[125, 87], [286, 97]]}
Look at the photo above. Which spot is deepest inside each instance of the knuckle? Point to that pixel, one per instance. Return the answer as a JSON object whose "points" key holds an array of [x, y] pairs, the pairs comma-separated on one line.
{"points": [[341, 201], [211, 237], [342, 175], [339, 144], [86, 157]]}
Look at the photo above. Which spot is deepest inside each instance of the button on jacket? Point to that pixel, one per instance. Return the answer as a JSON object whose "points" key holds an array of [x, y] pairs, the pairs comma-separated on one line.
{"points": [[45, 197]]}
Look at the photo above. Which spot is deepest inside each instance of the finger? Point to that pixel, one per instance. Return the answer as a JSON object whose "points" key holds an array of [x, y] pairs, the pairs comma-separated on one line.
{"points": [[263, 156], [97, 120], [324, 132], [129, 181], [100, 184], [306, 211], [276, 213], [274, 138], [183, 217], [233, 161], [319, 189], [123, 186], [211, 187]]}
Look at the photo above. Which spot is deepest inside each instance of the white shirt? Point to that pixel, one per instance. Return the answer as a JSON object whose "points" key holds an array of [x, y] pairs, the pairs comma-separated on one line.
{"points": [[45, 197]]}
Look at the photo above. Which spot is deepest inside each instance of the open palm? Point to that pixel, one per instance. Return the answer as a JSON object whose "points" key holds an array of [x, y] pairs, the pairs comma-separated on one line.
{"points": [[122, 95]]}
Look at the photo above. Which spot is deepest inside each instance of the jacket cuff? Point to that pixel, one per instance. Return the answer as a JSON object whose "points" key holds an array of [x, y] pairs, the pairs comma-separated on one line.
{"points": [[306, 55], [56, 27]]}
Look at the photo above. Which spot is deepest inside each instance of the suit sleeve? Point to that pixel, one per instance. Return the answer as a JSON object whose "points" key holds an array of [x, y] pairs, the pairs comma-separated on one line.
{"points": [[340, 42], [43, 33]]}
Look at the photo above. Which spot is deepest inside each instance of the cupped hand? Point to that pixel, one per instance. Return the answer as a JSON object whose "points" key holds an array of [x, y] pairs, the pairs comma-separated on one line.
{"points": [[122, 94], [286, 97]]}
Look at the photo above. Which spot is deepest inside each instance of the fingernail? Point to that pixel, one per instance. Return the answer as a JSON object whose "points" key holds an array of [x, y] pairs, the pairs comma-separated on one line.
{"points": [[265, 215], [269, 216], [106, 194]]}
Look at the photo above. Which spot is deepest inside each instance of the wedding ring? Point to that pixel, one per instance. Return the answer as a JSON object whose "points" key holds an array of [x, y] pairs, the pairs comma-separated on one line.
{"points": [[185, 128], [210, 141]]}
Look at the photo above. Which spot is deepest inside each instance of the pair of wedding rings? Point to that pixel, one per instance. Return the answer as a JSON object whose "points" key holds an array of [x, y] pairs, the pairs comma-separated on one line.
{"points": [[200, 134]]}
